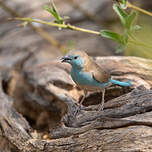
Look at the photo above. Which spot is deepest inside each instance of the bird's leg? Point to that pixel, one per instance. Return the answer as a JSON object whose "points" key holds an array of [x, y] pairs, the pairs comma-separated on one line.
{"points": [[102, 102], [84, 96], [80, 104]]}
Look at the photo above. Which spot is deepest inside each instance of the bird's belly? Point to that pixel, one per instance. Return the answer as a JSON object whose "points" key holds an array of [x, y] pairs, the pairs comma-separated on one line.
{"points": [[85, 81], [90, 88]]}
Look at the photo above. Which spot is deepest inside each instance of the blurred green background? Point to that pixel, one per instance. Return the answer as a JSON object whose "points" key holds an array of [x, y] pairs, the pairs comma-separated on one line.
{"points": [[16, 42], [144, 35]]}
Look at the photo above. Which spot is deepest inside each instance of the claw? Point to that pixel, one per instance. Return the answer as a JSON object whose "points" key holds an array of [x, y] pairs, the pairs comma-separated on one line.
{"points": [[78, 110], [101, 107]]}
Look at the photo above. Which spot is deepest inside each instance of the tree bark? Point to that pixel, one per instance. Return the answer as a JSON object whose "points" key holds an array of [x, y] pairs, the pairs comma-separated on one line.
{"points": [[124, 124]]}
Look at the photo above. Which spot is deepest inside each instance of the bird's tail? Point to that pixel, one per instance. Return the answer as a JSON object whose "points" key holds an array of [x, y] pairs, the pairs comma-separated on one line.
{"points": [[125, 84]]}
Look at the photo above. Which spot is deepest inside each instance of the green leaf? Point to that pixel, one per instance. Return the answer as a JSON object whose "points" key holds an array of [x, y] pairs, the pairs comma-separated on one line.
{"points": [[120, 48], [54, 7], [122, 15], [129, 20], [135, 28], [57, 16], [47, 8], [50, 10], [55, 13], [123, 4], [124, 39], [111, 35]]}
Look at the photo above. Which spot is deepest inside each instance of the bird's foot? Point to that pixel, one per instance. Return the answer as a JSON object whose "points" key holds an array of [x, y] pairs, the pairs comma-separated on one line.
{"points": [[100, 108], [78, 109]]}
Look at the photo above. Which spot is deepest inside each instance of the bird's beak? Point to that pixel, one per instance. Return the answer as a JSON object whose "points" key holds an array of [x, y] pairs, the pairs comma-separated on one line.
{"points": [[65, 59]]}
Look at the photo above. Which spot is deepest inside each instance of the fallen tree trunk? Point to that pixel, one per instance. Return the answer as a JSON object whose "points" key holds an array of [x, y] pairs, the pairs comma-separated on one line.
{"points": [[124, 124]]}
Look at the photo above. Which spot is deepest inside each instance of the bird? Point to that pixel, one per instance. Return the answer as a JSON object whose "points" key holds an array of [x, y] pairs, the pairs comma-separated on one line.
{"points": [[88, 75]]}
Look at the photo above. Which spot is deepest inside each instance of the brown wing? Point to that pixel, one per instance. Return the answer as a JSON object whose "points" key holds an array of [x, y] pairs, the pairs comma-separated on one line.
{"points": [[90, 66], [100, 74]]}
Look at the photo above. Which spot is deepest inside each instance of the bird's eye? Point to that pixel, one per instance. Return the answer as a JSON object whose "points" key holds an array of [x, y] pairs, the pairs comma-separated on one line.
{"points": [[75, 57]]}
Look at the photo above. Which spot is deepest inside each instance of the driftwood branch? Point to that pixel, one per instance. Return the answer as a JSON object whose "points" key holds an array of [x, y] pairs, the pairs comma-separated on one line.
{"points": [[126, 116]]}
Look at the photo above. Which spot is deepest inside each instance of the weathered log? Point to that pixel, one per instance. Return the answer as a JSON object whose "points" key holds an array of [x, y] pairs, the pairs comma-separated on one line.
{"points": [[124, 124]]}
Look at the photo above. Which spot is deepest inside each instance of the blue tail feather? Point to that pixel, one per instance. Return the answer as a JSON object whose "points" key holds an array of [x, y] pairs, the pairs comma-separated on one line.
{"points": [[125, 84]]}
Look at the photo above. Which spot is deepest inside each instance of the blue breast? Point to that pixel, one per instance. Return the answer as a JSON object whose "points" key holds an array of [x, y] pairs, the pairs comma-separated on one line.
{"points": [[85, 78]]}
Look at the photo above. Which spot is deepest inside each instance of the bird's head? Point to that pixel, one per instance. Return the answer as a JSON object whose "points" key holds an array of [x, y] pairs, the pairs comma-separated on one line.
{"points": [[75, 58]]}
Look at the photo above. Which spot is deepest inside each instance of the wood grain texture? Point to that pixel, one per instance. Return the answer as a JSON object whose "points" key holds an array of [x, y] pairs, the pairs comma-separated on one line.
{"points": [[124, 124]]}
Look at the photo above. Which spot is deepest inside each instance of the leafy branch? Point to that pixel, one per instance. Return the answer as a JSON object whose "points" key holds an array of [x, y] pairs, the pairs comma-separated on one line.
{"points": [[129, 28], [127, 20], [66, 26], [55, 13]]}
